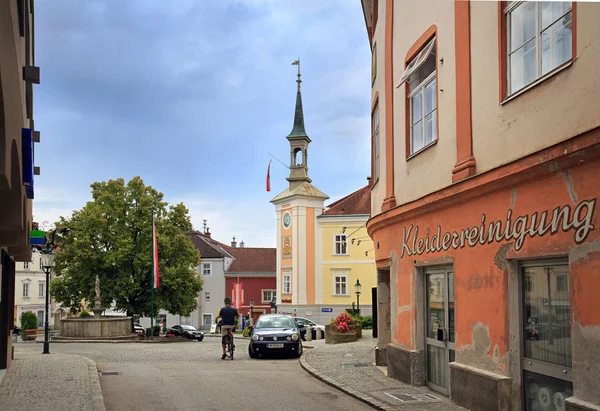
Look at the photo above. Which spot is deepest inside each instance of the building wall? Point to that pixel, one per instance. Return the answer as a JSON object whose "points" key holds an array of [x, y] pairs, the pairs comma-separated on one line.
{"points": [[34, 276], [252, 287], [415, 177], [535, 119], [507, 161], [16, 53], [215, 285], [378, 97], [356, 265]]}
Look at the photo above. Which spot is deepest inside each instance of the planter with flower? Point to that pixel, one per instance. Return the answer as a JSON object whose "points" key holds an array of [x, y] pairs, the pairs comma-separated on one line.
{"points": [[342, 329]]}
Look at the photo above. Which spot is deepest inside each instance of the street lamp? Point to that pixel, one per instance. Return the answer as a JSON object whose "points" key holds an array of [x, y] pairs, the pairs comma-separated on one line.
{"points": [[47, 257], [357, 287], [251, 308]]}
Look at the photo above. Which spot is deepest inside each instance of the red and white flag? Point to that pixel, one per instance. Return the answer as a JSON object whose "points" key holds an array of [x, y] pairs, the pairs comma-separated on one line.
{"points": [[155, 271], [269, 176], [237, 296]]}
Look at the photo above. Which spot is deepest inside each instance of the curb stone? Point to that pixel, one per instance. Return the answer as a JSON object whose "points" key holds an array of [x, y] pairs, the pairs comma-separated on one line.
{"points": [[97, 397], [347, 390]]}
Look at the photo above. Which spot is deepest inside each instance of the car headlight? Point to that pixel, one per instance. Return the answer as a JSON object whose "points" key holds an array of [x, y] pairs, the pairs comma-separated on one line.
{"points": [[295, 337], [255, 337], [261, 338]]}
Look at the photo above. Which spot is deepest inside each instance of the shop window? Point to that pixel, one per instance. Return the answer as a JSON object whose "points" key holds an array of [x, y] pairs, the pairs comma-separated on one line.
{"points": [[539, 40], [547, 355]]}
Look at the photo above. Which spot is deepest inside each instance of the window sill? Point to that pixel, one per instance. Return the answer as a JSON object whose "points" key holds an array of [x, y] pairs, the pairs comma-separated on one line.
{"points": [[416, 153], [537, 82], [340, 295], [340, 255]]}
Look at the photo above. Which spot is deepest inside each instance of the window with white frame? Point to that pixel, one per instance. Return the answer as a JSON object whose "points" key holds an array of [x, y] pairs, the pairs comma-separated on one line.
{"points": [[207, 296], [268, 295], [26, 265], [340, 284], [340, 244], [41, 266], [375, 142], [25, 290], [539, 39], [420, 74], [207, 319], [207, 269], [286, 284], [42, 288]]}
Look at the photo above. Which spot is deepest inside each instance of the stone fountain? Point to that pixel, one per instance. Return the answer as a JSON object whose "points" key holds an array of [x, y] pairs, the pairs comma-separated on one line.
{"points": [[98, 327]]}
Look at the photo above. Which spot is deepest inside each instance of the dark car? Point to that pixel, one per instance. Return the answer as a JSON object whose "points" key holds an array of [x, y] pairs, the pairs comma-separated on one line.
{"points": [[187, 331], [275, 333]]}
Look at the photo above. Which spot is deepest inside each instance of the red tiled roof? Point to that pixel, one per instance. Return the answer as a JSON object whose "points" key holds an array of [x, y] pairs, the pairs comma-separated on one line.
{"points": [[359, 202], [253, 260]]}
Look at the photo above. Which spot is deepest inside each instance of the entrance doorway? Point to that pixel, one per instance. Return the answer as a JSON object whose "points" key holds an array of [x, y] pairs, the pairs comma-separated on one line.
{"points": [[439, 327]]}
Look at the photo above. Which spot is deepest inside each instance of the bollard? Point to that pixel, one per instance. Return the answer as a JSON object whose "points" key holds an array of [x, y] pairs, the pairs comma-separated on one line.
{"points": [[309, 333]]}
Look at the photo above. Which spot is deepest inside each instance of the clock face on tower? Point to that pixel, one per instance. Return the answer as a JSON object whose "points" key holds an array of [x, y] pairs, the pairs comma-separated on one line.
{"points": [[287, 220]]}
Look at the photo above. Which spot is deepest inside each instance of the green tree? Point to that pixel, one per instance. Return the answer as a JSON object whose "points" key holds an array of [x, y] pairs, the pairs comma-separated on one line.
{"points": [[111, 236]]}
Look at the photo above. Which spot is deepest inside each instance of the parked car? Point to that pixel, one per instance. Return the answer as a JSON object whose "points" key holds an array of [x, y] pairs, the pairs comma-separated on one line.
{"points": [[137, 328], [275, 333], [187, 331], [303, 323]]}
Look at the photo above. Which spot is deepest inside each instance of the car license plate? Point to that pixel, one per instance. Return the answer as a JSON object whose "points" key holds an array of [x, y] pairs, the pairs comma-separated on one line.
{"points": [[275, 345]]}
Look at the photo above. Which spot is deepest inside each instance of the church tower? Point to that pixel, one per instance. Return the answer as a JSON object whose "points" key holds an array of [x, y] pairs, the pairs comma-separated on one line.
{"points": [[296, 210]]}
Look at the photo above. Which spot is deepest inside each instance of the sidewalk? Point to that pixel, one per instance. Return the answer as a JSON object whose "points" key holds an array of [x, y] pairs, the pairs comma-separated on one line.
{"points": [[51, 382], [350, 367]]}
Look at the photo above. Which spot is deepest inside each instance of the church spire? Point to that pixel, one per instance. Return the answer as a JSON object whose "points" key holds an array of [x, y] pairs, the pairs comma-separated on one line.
{"points": [[298, 142], [298, 129]]}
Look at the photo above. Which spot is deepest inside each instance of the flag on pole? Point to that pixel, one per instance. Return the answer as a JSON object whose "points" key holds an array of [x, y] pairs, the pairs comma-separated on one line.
{"points": [[295, 63], [237, 295], [269, 176], [155, 271]]}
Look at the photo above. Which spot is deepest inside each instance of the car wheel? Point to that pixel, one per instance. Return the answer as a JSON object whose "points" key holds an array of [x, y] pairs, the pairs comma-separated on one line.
{"points": [[201, 338], [251, 353], [298, 352]]}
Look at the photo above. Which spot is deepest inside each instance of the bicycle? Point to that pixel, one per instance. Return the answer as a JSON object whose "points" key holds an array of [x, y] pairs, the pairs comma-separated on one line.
{"points": [[228, 341]]}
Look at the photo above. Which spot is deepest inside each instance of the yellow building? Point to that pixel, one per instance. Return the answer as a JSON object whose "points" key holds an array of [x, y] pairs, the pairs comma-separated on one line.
{"points": [[314, 281], [346, 254]]}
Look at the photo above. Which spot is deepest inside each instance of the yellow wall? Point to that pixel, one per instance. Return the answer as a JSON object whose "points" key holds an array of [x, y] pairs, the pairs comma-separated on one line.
{"points": [[356, 265]]}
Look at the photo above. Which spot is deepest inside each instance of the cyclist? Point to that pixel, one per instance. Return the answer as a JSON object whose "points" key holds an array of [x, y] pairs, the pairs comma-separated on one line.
{"points": [[227, 314]]}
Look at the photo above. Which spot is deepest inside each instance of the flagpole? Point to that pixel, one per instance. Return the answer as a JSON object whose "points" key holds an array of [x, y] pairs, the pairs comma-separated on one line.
{"points": [[152, 274]]}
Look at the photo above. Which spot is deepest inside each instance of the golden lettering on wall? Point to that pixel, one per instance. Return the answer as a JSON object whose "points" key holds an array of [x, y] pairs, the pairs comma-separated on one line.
{"points": [[517, 230], [286, 249], [286, 300]]}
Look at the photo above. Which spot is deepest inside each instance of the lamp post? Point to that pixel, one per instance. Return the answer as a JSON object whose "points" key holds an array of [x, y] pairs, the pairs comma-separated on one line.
{"points": [[357, 287], [251, 312], [47, 256]]}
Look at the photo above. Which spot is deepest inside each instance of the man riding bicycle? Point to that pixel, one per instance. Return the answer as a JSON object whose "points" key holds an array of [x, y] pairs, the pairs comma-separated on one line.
{"points": [[227, 314]]}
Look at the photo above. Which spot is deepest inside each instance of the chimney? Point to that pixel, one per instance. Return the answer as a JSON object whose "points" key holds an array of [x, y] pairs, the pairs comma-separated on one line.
{"points": [[233, 243], [242, 244], [207, 232]]}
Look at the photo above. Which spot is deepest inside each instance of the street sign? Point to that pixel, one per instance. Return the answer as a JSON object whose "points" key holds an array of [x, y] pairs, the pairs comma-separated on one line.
{"points": [[326, 310]]}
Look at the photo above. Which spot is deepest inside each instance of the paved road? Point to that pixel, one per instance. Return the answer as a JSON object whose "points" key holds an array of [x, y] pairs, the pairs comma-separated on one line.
{"points": [[192, 376]]}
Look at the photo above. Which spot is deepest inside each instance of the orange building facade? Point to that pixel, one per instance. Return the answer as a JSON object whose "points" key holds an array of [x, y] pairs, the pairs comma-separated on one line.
{"points": [[486, 157]]}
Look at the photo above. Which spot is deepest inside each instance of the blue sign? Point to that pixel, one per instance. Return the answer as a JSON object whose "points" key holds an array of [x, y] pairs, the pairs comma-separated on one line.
{"points": [[27, 158], [326, 310]]}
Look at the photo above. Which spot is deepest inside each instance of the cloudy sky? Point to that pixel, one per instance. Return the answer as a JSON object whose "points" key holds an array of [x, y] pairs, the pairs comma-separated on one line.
{"points": [[193, 95]]}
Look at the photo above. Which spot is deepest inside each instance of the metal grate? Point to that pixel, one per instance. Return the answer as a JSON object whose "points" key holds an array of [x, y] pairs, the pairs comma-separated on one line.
{"points": [[109, 373], [356, 365], [402, 397]]}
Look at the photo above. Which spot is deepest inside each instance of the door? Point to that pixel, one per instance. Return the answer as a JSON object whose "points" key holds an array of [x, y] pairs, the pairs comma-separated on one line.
{"points": [[439, 340]]}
